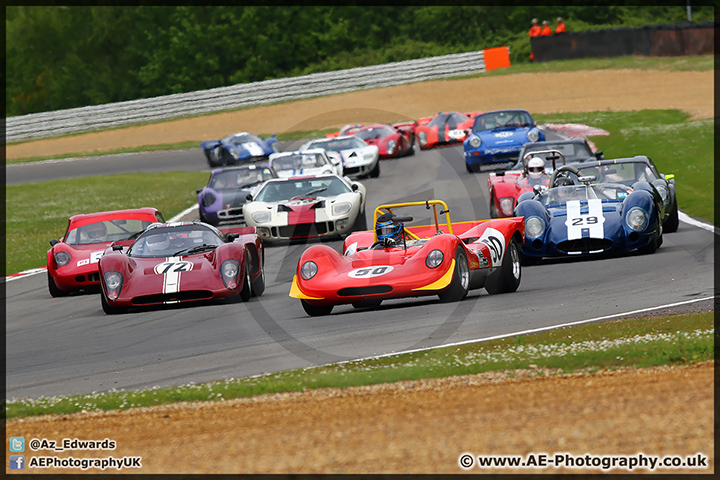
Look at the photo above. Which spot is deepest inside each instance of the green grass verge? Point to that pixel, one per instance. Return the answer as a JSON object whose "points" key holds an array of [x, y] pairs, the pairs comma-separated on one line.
{"points": [[37, 212], [639, 342]]}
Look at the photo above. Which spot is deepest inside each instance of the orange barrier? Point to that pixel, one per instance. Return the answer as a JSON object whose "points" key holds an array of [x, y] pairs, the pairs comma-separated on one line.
{"points": [[498, 57]]}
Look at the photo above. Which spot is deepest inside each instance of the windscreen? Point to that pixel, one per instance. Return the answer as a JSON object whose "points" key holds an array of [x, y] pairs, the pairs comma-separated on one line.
{"points": [[277, 191], [105, 231]]}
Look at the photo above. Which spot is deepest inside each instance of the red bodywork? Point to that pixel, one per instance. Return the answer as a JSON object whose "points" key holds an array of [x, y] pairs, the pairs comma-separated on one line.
{"points": [[403, 135], [197, 278], [504, 189], [81, 271], [448, 134], [363, 274]]}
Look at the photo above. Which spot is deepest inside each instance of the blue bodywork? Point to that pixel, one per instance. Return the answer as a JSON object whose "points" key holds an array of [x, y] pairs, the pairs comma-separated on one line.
{"points": [[238, 148], [590, 219], [498, 137], [221, 200]]}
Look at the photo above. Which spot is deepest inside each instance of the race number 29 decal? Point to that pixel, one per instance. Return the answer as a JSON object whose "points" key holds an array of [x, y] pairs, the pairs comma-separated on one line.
{"points": [[370, 272], [591, 222]]}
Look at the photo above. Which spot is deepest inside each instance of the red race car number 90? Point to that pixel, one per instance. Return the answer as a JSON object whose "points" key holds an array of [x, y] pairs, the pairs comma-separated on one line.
{"points": [[370, 272]]}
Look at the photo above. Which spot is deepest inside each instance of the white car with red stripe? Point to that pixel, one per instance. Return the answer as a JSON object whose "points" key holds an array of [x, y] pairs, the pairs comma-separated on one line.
{"points": [[306, 207]]}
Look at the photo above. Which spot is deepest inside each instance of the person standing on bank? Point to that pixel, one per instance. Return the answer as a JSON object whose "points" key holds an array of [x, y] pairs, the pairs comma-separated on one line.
{"points": [[546, 30], [533, 32], [560, 26]]}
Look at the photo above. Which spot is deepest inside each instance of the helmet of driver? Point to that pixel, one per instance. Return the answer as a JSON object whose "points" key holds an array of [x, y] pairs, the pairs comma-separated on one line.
{"points": [[96, 232], [386, 229], [535, 167], [158, 242]]}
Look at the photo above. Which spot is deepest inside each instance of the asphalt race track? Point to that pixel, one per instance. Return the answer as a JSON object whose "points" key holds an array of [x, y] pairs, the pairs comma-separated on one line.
{"points": [[62, 346]]}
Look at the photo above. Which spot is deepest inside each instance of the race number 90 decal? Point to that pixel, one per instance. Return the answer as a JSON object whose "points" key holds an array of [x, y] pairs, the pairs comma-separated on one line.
{"points": [[370, 272]]}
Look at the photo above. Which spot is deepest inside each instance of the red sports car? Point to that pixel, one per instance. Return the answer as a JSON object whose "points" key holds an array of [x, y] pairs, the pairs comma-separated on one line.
{"points": [[445, 260], [445, 128], [72, 260], [182, 262], [392, 141]]}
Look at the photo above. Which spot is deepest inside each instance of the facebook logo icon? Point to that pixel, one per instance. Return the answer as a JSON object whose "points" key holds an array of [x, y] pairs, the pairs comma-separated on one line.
{"points": [[17, 462]]}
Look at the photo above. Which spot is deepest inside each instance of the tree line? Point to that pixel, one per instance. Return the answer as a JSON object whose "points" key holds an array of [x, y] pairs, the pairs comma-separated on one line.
{"points": [[61, 57]]}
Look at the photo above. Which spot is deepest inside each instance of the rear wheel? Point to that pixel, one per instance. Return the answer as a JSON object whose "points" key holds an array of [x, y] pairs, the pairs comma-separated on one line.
{"points": [[316, 310], [507, 278], [53, 288], [458, 288], [109, 309]]}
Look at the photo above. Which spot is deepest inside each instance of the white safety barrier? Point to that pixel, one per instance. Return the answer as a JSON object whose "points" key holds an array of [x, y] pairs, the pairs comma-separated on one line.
{"points": [[59, 122]]}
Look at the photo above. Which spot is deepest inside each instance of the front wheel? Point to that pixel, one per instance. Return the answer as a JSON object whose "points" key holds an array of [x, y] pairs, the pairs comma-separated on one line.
{"points": [[507, 278], [458, 288], [246, 291], [258, 285], [673, 222], [472, 168], [316, 310], [375, 172], [650, 248], [109, 309], [53, 288]]}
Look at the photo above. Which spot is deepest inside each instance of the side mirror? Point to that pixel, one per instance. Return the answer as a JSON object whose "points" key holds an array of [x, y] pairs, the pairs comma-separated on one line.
{"points": [[230, 237], [248, 197], [599, 155], [537, 189], [54, 242], [355, 187], [117, 248], [198, 191]]}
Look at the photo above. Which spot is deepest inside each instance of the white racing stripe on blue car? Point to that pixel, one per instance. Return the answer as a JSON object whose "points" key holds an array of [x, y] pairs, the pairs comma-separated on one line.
{"points": [[254, 148], [592, 222]]}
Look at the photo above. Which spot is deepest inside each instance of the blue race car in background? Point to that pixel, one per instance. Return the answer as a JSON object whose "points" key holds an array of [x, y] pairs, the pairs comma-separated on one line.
{"points": [[498, 136], [222, 199], [238, 148], [577, 217]]}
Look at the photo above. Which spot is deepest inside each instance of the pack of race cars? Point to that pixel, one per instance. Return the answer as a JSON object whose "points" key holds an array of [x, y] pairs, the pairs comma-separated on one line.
{"points": [[558, 198]]}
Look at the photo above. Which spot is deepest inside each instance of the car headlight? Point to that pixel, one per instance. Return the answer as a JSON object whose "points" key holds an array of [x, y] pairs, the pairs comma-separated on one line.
{"points": [[341, 208], [434, 259], [62, 258], [507, 204], [422, 138], [308, 270], [636, 219], [261, 217], [391, 147], [663, 193], [534, 227], [113, 284], [208, 199], [533, 135], [229, 272], [475, 142]]}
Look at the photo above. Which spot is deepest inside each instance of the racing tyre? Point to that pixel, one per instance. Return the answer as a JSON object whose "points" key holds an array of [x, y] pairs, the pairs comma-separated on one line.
{"points": [[472, 168], [528, 261], [507, 278], [651, 247], [316, 310], [258, 285], [53, 289], [109, 309], [375, 172], [458, 288], [672, 223], [246, 291]]}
